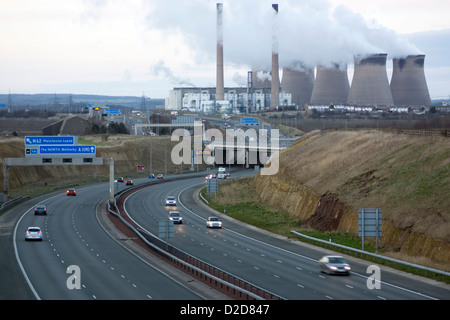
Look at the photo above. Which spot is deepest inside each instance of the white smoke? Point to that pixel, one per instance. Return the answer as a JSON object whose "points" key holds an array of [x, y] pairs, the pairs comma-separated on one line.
{"points": [[309, 31], [160, 68]]}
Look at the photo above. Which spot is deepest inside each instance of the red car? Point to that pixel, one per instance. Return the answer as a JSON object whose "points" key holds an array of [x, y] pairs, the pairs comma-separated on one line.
{"points": [[71, 192]]}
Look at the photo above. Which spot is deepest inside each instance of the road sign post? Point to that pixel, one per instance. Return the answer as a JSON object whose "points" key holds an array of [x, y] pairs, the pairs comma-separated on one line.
{"points": [[369, 224], [165, 229], [212, 186]]}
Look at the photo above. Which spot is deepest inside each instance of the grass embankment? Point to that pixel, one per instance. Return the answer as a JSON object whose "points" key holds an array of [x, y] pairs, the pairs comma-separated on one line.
{"points": [[326, 176], [238, 199]]}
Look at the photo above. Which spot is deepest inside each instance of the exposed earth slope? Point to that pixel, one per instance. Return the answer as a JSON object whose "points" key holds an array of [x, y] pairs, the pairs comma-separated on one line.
{"points": [[326, 176]]}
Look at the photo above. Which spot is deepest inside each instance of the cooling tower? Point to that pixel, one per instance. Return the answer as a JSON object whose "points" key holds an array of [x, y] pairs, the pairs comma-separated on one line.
{"points": [[299, 83], [331, 86], [260, 79], [275, 85], [370, 84], [408, 83], [219, 73]]}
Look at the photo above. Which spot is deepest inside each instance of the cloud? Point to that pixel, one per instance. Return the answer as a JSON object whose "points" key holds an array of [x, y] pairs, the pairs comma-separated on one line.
{"points": [[159, 68], [309, 31]]}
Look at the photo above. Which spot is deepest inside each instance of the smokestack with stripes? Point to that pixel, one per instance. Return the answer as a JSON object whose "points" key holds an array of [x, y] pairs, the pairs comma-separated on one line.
{"points": [[220, 95], [331, 85], [408, 83], [275, 86], [370, 84]]}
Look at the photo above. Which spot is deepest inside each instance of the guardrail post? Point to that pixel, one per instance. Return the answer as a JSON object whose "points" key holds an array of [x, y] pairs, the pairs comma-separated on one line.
{"points": [[111, 180]]}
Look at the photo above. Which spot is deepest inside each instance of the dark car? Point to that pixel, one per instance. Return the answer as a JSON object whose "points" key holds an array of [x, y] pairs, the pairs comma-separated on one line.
{"points": [[129, 182], [71, 192], [120, 179], [40, 209], [334, 265]]}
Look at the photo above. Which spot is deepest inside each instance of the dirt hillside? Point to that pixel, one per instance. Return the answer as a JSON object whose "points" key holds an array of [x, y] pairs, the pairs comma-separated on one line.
{"points": [[326, 176], [127, 151]]}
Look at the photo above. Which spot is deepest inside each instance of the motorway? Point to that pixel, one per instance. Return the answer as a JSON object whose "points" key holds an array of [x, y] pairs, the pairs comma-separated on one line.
{"points": [[286, 268], [74, 236]]}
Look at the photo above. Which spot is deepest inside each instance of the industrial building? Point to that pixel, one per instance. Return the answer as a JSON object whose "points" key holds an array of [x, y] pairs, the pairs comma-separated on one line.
{"points": [[236, 100], [408, 83], [331, 85], [302, 86]]}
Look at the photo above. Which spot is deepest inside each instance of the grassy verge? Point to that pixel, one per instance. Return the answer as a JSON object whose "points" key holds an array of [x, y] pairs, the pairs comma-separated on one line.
{"points": [[244, 206], [238, 200]]}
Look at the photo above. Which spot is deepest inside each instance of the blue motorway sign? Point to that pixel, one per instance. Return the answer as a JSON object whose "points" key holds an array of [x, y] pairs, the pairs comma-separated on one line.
{"points": [[50, 140], [112, 111], [249, 121], [66, 150]]}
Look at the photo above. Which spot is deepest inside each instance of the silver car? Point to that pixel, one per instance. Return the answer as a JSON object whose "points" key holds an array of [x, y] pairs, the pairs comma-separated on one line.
{"points": [[334, 265], [213, 222], [33, 233], [175, 217], [171, 201]]}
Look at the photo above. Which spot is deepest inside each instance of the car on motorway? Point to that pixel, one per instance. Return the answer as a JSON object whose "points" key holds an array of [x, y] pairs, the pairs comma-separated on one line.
{"points": [[176, 217], [334, 265], [120, 179], [33, 233], [171, 201], [71, 192], [222, 175], [40, 209], [213, 222], [129, 182], [160, 176]]}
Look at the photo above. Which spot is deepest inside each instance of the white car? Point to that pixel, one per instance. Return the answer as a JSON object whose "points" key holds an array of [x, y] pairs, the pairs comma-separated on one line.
{"points": [[171, 201], [175, 217], [33, 233], [213, 222]]}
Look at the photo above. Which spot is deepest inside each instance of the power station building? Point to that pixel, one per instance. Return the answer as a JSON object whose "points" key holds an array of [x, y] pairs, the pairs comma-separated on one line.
{"points": [[235, 100], [303, 85]]}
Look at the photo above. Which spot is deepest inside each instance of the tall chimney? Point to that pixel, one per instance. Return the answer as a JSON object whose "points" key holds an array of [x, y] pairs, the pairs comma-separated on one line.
{"points": [[370, 84], [219, 73], [408, 83], [331, 86], [275, 86]]}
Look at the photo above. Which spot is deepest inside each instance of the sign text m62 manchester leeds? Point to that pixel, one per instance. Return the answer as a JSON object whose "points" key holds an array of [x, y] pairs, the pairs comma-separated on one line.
{"points": [[50, 140]]}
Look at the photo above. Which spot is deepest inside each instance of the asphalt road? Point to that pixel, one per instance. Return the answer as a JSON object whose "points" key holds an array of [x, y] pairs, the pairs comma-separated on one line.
{"points": [[285, 267], [73, 237]]}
